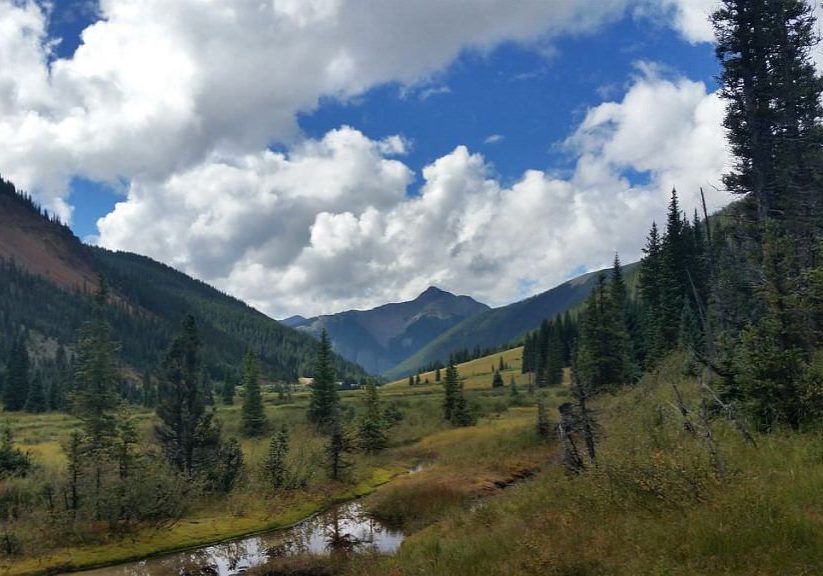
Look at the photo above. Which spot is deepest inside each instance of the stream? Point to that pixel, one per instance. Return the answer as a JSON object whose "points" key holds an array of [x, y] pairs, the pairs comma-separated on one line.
{"points": [[346, 528]]}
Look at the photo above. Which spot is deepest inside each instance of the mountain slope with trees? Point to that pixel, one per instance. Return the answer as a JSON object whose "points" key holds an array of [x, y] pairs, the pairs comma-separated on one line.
{"points": [[47, 276]]}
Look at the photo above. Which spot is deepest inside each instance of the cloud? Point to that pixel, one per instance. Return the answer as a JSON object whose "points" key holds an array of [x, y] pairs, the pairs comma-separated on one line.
{"points": [[159, 86], [178, 105], [689, 17], [330, 224], [494, 139]]}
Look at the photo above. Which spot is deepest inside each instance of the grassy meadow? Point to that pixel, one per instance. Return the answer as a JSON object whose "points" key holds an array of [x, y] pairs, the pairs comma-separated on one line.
{"points": [[460, 466], [656, 504], [492, 499]]}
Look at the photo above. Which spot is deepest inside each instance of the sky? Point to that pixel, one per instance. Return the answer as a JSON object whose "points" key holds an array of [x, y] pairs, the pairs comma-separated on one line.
{"points": [[312, 156]]}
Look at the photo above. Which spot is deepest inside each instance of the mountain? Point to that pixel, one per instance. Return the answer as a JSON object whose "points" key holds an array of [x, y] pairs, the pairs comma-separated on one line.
{"points": [[47, 274], [294, 321], [498, 326], [380, 338]]}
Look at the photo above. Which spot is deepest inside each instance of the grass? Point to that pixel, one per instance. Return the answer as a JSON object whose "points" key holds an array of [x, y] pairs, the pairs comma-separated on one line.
{"points": [[466, 464], [476, 374], [655, 505]]}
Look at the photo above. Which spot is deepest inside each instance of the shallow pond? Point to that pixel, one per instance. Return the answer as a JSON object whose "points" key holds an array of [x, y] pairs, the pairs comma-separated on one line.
{"points": [[346, 528]]}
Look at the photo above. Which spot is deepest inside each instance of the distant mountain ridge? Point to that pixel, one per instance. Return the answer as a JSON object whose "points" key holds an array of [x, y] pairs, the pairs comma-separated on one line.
{"points": [[47, 273], [380, 338], [497, 326]]}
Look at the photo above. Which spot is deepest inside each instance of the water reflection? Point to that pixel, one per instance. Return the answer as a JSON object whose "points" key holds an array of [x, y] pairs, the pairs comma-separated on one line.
{"points": [[346, 529]]}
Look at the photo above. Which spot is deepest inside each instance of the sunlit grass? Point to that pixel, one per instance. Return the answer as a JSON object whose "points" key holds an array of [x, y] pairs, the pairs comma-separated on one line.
{"points": [[466, 463], [656, 504]]}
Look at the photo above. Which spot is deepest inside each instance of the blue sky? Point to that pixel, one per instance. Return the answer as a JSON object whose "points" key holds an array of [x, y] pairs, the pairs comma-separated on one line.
{"points": [[315, 155], [530, 98]]}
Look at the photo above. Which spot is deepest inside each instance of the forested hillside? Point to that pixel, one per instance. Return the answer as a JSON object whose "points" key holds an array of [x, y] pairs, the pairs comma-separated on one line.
{"points": [[47, 276]]}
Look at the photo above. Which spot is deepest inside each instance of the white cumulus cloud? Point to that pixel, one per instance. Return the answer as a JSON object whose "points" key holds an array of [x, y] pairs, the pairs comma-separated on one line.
{"points": [[157, 86], [331, 225]]}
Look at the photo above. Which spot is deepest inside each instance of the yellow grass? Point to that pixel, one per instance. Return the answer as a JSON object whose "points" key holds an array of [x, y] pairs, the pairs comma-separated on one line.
{"points": [[469, 461]]}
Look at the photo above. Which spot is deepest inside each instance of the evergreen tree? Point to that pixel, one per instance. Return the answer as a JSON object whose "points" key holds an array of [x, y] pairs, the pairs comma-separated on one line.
{"points": [[514, 393], [673, 276], [462, 414], [37, 401], [75, 465], [339, 445], [60, 384], [276, 470], [16, 386], [411, 380], [254, 416], [603, 354], [437, 374], [497, 380], [451, 387], [186, 430], [553, 370], [650, 292], [773, 109], [227, 466], [371, 434], [14, 463], [324, 402], [95, 398], [228, 390]]}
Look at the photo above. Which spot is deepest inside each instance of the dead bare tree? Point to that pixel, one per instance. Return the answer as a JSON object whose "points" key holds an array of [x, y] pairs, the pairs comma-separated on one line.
{"points": [[568, 425]]}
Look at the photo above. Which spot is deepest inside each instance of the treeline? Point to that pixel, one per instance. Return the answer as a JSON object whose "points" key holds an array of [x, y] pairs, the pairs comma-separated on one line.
{"points": [[548, 350], [742, 291], [149, 301], [463, 355], [123, 478]]}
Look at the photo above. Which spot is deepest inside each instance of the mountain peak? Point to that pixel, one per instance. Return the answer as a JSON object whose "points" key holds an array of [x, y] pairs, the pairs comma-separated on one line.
{"points": [[432, 291]]}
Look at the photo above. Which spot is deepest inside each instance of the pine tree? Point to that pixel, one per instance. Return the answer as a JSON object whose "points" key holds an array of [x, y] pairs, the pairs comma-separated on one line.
{"points": [[553, 370], [437, 374], [603, 354], [371, 433], [227, 466], [254, 416], [450, 387], [773, 94], [228, 390], [497, 380], [339, 445], [276, 470], [324, 403], [650, 292], [462, 414], [14, 463], [16, 386], [514, 392], [411, 380], [95, 398], [37, 401], [186, 430], [75, 465], [673, 276]]}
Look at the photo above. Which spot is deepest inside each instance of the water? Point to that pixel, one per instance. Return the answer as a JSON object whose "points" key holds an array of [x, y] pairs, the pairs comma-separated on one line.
{"points": [[345, 529]]}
